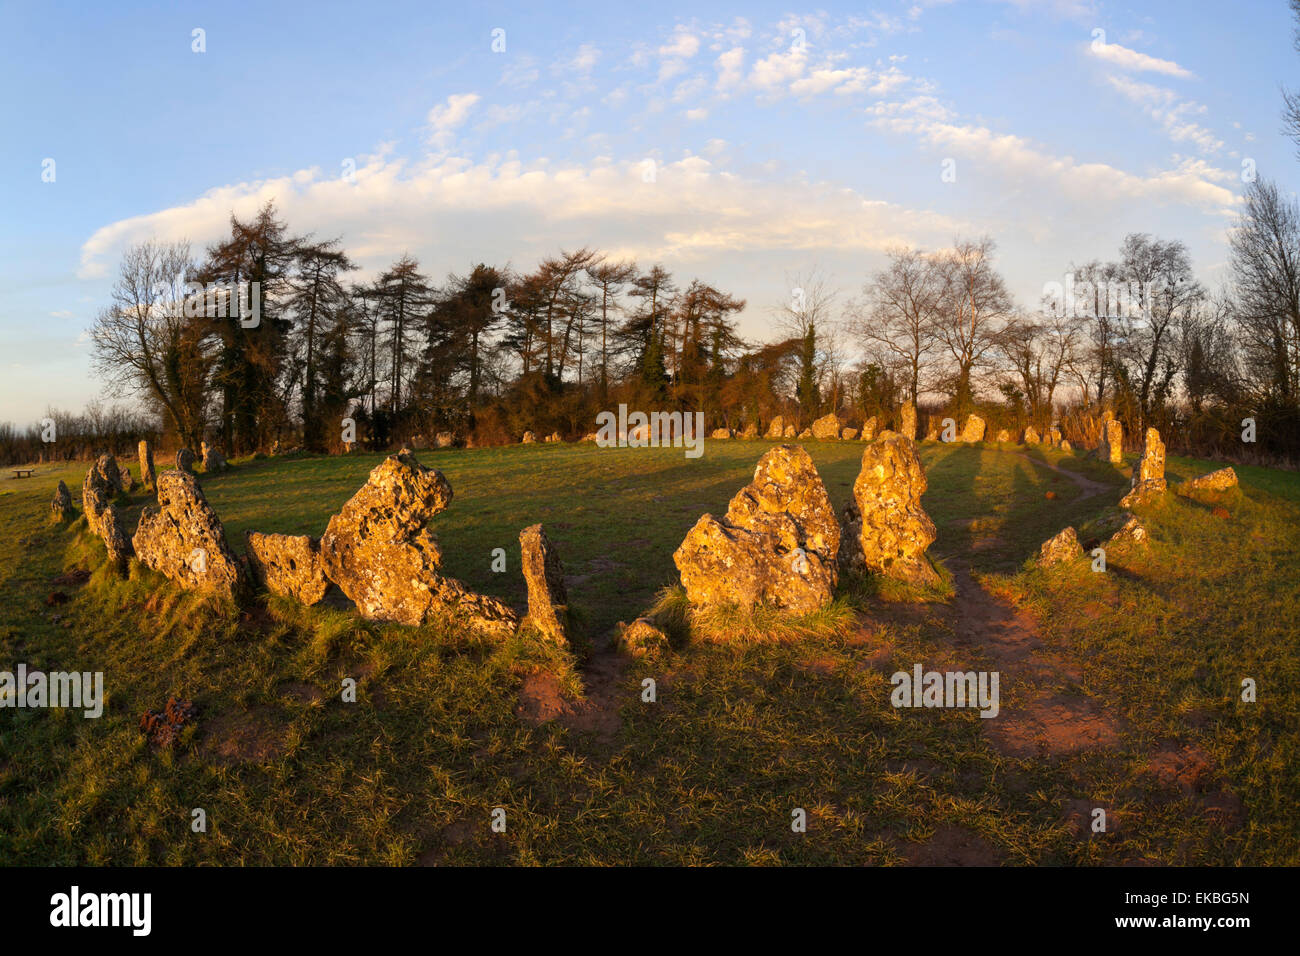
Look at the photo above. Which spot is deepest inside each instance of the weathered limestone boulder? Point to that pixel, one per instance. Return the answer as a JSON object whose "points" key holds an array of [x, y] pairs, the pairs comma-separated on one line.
{"points": [[849, 434], [826, 428], [885, 529], [806, 434], [642, 638], [148, 476], [548, 602], [750, 432], [213, 460], [1064, 547], [380, 553], [931, 430], [102, 516], [1066, 446], [529, 439], [107, 469], [776, 428], [443, 440], [1111, 448], [720, 433], [869, 429], [62, 503], [1131, 531], [590, 437], [1004, 437], [907, 421], [185, 461], [182, 538], [553, 438], [1031, 436], [1054, 436], [974, 430], [777, 544], [789, 432], [1216, 482], [1149, 477], [287, 564]]}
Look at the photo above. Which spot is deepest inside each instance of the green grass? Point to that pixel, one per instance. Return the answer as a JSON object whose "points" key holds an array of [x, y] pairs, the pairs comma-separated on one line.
{"points": [[741, 732]]}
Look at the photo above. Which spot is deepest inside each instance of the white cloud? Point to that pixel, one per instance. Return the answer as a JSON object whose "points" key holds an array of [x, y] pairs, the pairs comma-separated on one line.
{"points": [[1131, 60], [1171, 111], [674, 54], [1093, 186], [693, 206], [446, 117], [731, 68]]}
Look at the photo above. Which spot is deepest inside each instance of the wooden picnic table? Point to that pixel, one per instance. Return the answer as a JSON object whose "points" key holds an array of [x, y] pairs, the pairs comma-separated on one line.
{"points": [[23, 472]]}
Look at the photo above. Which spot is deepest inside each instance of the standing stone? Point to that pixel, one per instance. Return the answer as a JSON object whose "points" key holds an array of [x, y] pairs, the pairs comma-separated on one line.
{"points": [[213, 461], [750, 432], [885, 529], [826, 428], [1004, 437], [1031, 436], [1066, 446], [931, 430], [869, 429], [777, 544], [62, 503], [443, 440], [1064, 547], [1111, 448], [907, 421], [974, 430], [776, 428], [106, 468], [147, 475], [849, 434], [548, 602], [529, 439], [380, 553], [185, 461], [721, 433], [287, 564], [1149, 478], [1054, 436], [789, 432], [102, 516], [182, 538]]}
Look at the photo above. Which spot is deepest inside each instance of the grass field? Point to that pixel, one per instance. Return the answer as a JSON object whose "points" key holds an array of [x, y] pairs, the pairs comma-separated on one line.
{"points": [[1119, 689]]}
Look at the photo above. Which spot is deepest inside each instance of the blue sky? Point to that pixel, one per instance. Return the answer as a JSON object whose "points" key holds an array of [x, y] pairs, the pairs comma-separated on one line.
{"points": [[776, 151]]}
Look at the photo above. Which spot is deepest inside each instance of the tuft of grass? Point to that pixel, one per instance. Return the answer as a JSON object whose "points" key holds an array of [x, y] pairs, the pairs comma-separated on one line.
{"points": [[735, 625]]}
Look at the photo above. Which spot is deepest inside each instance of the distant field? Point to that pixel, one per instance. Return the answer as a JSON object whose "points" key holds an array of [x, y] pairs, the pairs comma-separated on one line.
{"points": [[1119, 689]]}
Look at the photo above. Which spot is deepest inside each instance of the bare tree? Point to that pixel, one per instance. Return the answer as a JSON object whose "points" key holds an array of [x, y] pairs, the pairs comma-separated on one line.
{"points": [[146, 341], [897, 320], [974, 305], [807, 315], [1266, 284]]}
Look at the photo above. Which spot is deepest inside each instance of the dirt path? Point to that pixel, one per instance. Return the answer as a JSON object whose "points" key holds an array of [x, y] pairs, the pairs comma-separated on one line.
{"points": [[1086, 485], [1039, 717]]}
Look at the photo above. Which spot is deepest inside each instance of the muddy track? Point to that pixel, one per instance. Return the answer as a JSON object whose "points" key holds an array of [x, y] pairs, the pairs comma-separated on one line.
{"points": [[1038, 718]]}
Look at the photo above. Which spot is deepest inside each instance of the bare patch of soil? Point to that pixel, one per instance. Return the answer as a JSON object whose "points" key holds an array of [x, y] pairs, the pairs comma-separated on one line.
{"points": [[541, 698], [247, 736], [952, 846]]}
